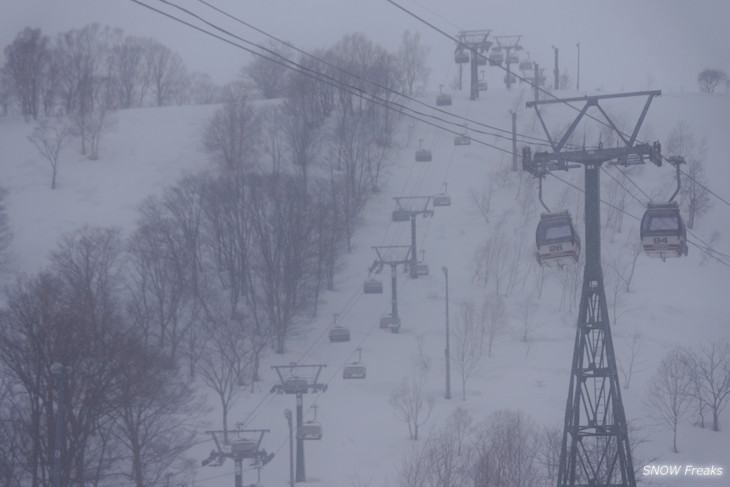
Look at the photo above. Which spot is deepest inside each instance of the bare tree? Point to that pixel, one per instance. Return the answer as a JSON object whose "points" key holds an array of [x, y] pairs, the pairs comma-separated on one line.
{"points": [[27, 62], [49, 137], [667, 395], [411, 403], [709, 78], [711, 374], [269, 76], [231, 134], [632, 356], [224, 364], [507, 451], [494, 319], [6, 235], [412, 63], [166, 72], [467, 343], [156, 420]]}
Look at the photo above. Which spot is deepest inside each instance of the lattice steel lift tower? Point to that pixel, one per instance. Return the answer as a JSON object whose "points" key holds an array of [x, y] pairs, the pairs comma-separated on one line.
{"points": [[595, 448]]}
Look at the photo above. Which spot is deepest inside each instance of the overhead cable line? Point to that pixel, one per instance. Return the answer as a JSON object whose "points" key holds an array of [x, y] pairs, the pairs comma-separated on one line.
{"points": [[412, 14], [538, 141], [328, 80]]}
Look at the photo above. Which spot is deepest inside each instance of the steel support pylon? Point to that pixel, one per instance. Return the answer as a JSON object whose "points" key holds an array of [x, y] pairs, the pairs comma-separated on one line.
{"points": [[595, 448]]}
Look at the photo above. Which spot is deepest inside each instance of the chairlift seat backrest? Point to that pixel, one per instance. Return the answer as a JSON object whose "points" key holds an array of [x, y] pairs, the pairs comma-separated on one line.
{"points": [[462, 140], [423, 155], [354, 371], [245, 448], [461, 57], [296, 385], [373, 286], [339, 334], [442, 200], [443, 99], [401, 216], [310, 431]]}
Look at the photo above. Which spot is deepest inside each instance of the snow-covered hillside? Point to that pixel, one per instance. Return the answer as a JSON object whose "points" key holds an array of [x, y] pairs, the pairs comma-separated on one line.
{"points": [[679, 302]]}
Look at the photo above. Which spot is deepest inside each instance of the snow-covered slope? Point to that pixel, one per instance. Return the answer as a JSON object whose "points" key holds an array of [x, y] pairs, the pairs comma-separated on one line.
{"points": [[678, 302]]}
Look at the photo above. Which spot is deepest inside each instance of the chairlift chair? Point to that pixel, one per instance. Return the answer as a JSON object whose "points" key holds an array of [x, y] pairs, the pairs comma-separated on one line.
{"points": [[461, 57], [443, 99], [526, 65], [512, 79], [513, 59], [421, 269], [390, 322], [663, 233], [442, 200], [354, 371], [496, 59], [244, 448], [557, 241], [401, 216], [339, 334], [462, 140], [310, 430], [373, 286], [481, 61], [423, 155], [294, 385], [482, 86]]}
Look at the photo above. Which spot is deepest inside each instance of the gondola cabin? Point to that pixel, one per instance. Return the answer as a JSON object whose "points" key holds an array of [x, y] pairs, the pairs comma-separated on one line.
{"points": [[443, 99], [442, 200], [373, 286], [663, 233], [401, 216], [354, 371], [462, 140], [310, 431], [461, 57], [423, 155], [496, 59], [558, 243], [389, 322], [339, 334]]}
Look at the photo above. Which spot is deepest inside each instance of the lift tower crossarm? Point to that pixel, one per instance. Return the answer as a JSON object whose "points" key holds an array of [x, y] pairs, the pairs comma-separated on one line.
{"points": [[589, 102]]}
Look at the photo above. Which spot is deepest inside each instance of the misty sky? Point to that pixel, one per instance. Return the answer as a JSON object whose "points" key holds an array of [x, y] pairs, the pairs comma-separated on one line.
{"points": [[625, 44]]}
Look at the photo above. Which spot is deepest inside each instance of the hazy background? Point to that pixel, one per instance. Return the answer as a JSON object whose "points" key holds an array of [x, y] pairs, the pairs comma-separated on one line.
{"points": [[624, 44]]}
